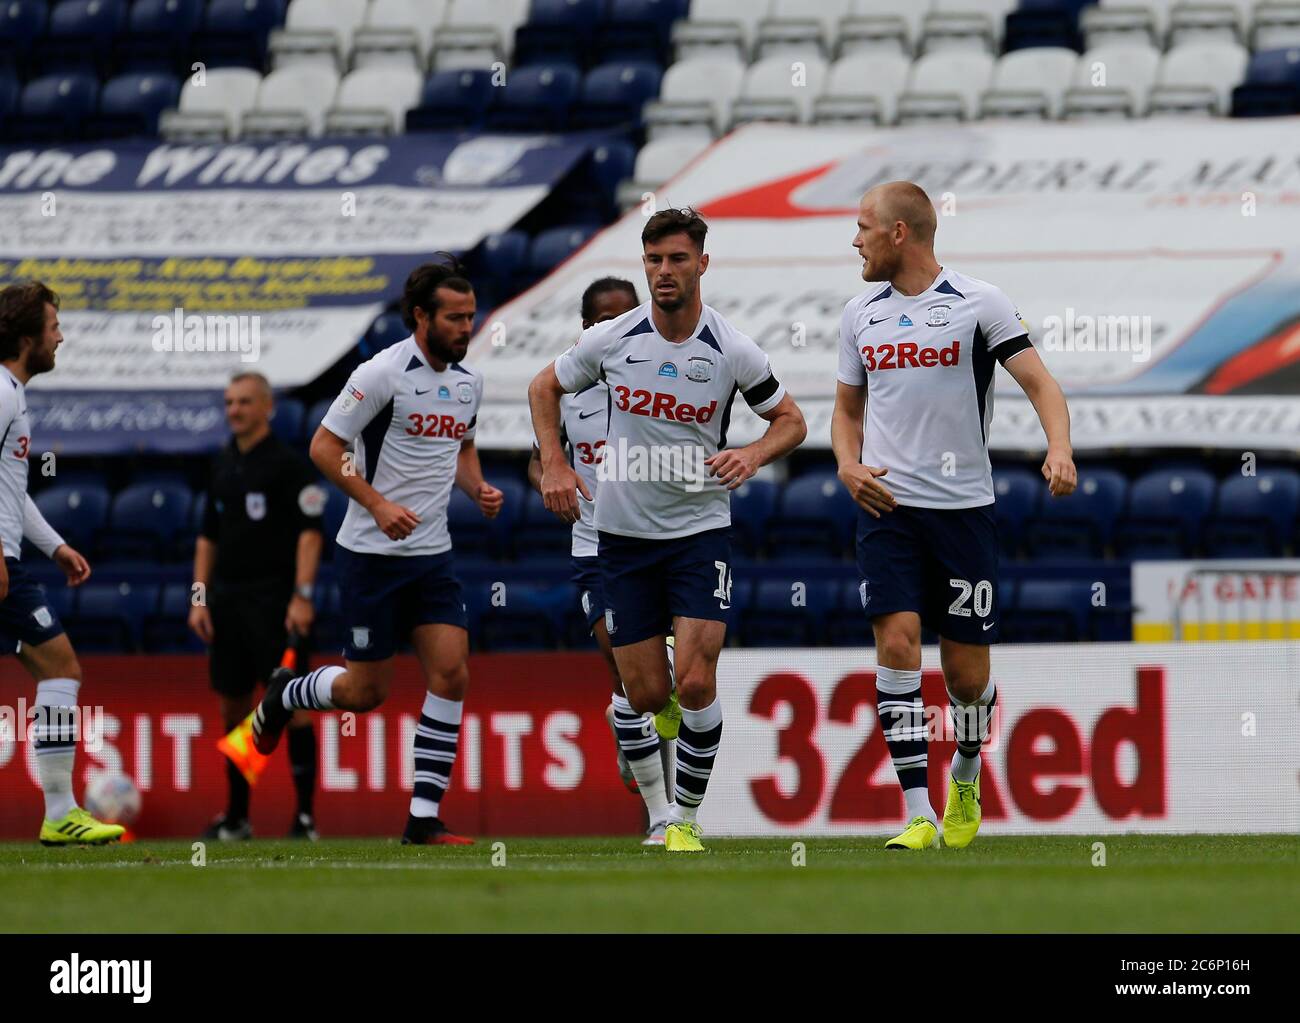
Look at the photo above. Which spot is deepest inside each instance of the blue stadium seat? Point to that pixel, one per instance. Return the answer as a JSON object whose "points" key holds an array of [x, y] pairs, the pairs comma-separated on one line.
{"points": [[773, 617], [385, 332], [614, 93], [55, 108], [1166, 510], [472, 533], [159, 32], [553, 246], [753, 503], [234, 32], [22, 24], [1254, 516], [78, 513], [557, 30], [1082, 524], [847, 623], [591, 193], [287, 421], [81, 35], [453, 100], [532, 617], [815, 515], [197, 511], [536, 98], [10, 91], [110, 616], [167, 629], [145, 520], [336, 509], [1272, 85], [639, 30], [314, 416], [1016, 494], [130, 104], [539, 531], [1049, 611], [499, 263], [1043, 23]]}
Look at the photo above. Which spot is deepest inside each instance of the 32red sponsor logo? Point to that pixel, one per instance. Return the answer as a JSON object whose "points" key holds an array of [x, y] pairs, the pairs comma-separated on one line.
{"points": [[435, 426], [662, 406], [908, 353]]}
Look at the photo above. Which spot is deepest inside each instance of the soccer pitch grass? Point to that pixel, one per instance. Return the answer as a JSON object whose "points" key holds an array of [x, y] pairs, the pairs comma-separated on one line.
{"points": [[1214, 883]]}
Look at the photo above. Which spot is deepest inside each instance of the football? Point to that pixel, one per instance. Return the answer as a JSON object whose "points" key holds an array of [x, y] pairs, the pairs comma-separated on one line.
{"points": [[113, 798]]}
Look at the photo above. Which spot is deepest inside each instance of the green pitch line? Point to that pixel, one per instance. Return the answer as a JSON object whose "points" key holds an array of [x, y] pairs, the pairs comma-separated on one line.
{"points": [[1149, 883]]}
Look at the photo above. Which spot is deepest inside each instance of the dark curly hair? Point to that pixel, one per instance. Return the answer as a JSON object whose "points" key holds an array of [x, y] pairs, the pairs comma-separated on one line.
{"points": [[22, 314], [685, 221], [446, 272]]}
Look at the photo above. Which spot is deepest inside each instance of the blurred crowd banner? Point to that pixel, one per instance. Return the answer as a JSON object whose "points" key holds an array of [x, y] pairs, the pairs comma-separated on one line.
{"points": [[1159, 271], [1214, 601], [1098, 739], [179, 264]]}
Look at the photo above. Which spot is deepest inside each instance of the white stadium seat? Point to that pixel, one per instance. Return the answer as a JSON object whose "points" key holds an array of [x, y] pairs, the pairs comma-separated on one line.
{"points": [[317, 31], [211, 112], [292, 102], [477, 32], [657, 162], [1131, 22], [863, 88], [1112, 81], [1198, 78], [893, 25], [398, 31], [1030, 83], [1203, 21], [780, 88], [695, 97], [374, 101], [718, 27], [965, 24], [800, 25], [945, 86], [1276, 25]]}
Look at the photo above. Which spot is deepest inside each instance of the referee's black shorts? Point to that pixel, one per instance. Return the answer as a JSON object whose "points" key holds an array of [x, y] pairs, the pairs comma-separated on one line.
{"points": [[248, 634]]}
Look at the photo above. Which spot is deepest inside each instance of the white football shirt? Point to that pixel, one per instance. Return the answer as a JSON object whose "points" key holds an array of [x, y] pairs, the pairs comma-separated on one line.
{"points": [[927, 362], [405, 422], [15, 443], [584, 424], [670, 403]]}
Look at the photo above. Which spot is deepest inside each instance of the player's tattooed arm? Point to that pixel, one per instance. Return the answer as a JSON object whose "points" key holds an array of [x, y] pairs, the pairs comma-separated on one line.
{"points": [[786, 431], [330, 455], [861, 481], [559, 483], [1041, 388]]}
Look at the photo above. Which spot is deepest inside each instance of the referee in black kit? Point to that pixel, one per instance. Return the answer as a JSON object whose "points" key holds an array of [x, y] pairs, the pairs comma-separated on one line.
{"points": [[256, 556]]}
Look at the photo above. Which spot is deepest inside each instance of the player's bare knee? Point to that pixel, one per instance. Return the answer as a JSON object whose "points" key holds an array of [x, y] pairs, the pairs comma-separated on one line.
{"points": [[897, 648], [647, 700], [695, 689], [451, 684], [967, 687]]}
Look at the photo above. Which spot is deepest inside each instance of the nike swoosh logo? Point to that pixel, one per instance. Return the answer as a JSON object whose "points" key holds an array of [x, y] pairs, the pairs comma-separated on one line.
{"points": [[872, 323], [425, 391], [986, 626], [589, 414], [632, 362]]}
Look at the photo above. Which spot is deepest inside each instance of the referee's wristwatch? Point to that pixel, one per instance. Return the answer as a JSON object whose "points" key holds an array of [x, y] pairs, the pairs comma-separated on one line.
{"points": [[304, 590]]}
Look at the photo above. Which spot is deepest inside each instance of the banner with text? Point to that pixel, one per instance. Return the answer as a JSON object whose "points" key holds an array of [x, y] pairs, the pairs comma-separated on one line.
{"points": [[1159, 272], [178, 264], [1109, 739], [1212, 601]]}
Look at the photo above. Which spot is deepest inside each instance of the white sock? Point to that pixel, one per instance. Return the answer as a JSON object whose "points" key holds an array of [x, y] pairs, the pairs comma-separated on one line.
{"points": [[966, 762], [639, 741], [437, 737], [55, 740], [698, 741], [313, 691]]}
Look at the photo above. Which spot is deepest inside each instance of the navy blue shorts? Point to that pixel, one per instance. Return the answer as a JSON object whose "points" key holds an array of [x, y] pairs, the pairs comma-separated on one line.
{"points": [[648, 582], [25, 614], [384, 597], [591, 589], [939, 562]]}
